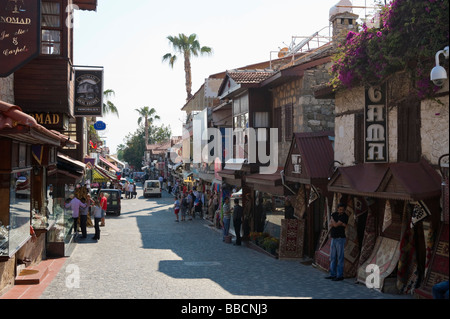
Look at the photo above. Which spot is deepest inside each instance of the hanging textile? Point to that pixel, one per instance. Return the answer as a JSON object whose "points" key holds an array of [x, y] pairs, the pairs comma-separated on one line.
{"points": [[387, 219], [420, 212], [370, 237], [351, 251], [407, 273], [313, 195]]}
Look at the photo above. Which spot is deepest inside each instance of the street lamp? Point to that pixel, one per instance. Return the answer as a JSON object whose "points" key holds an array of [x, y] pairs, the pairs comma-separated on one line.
{"points": [[438, 74]]}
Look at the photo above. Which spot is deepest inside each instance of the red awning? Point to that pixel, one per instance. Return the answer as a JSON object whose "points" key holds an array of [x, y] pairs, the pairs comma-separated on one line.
{"points": [[403, 181], [268, 183], [112, 166], [20, 126], [313, 155]]}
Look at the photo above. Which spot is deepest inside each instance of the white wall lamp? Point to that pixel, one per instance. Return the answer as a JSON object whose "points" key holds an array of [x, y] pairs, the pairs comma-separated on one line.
{"points": [[438, 74]]}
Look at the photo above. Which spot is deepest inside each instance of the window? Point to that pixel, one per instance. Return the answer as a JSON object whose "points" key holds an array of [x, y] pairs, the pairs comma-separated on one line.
{"points": [[241, 121], [261, 119], [16, 230], [71, 133], [51, 28]]}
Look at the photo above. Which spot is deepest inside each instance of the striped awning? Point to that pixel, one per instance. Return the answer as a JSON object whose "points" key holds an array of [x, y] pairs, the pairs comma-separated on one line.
{"points": [[109, 164]]}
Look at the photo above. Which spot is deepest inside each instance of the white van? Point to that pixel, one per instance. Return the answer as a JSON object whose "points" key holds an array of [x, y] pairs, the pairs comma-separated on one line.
{"points": [[152, 188]]}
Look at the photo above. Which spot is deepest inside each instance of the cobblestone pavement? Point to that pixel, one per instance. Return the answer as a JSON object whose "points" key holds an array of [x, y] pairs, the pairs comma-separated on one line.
{"points": [[144, 254]]}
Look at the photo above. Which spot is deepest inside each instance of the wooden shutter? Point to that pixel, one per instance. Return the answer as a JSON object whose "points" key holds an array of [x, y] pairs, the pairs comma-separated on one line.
{"points": [[277, 122], [288, 116], [408, 125], [359, 137]]}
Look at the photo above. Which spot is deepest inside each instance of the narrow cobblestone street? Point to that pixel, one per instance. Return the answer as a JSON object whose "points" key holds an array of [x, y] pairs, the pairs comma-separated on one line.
{"points": [[144, 253]]}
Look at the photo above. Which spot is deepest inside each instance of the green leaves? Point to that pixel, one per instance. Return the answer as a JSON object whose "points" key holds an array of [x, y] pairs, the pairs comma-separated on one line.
{"points": [[411, 33]]}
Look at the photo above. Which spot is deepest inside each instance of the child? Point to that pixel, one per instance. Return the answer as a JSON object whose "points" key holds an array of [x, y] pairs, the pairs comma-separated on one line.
{"points": [[176, 207], [97, 219]]}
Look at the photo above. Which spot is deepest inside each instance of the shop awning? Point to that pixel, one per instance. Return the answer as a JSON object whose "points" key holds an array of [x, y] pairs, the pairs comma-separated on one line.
{"points": [[20, 126], [71, 163], [268, 183], [310, 158], [103, 174], [109, 164], [68, 170], [402, 181], [176, 166], [235, 164], [411, 181], [187, 174], [208, 177], [232, 177]]}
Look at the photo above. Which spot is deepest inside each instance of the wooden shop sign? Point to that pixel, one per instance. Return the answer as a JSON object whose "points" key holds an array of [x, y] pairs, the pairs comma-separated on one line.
{"points": [[51, 120], [20, 29]]}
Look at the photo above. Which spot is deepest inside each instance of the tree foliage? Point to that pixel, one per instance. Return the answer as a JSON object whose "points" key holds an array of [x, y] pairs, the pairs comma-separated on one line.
{"points": [[409, 35]]}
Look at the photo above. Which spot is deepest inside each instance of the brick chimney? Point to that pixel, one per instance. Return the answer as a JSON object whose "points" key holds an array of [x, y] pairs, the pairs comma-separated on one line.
{"points": [[343, 20]]}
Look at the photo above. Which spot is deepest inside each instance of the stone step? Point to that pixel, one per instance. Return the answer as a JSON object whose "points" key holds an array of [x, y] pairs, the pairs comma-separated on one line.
{"points": [[32, 275]]}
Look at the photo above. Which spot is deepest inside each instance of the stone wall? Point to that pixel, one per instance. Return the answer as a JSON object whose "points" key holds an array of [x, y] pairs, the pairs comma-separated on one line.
{"points": [[435, 129], [434, 119], [348, 103], [309, 113], [7, 89]]}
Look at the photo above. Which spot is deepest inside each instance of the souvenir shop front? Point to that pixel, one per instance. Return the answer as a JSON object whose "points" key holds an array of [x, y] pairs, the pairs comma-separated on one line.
{"points": [[29, 151], [393, 220], [306, 173], [263, 195], [63, 180]]}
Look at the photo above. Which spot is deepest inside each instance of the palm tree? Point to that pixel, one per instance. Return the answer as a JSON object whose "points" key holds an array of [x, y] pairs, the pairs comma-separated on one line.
{"points": [[109, 106], [187, 46], [148, 115]]}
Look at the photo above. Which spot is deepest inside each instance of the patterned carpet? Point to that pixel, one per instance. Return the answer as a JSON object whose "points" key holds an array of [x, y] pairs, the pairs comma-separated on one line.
{"points": [[385, 255], [291, 239]]}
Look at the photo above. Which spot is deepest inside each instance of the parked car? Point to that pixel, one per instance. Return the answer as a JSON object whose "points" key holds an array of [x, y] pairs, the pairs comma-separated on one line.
{"points": [[152, 188], [114, 200]]}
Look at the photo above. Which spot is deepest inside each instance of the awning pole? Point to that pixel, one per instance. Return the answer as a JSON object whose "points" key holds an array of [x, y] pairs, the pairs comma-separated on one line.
{"points": [[282, 182]]}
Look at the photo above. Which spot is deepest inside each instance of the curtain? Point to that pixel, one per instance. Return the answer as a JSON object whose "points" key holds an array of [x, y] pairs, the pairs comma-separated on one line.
{"points": [[51, 14]]}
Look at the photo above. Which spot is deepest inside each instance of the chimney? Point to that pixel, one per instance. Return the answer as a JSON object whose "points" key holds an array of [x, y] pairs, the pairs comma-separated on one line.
{"points": [[343, 20]]}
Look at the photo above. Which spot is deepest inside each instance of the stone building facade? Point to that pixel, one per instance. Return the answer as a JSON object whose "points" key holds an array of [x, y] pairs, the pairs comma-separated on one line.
{"points": [[308, 113], [7, 89]]}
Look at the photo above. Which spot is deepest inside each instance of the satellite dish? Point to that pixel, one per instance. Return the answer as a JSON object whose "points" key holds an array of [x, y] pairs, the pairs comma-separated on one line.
{"points": [[283, 52]]}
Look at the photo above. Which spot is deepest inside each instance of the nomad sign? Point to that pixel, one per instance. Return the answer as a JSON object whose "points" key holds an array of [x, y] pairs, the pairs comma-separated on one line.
{"points": [[20, 26]]}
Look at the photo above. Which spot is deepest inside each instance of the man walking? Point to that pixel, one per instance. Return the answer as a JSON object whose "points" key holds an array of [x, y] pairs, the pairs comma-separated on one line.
{"points": [[338, 222], [237, 220]]}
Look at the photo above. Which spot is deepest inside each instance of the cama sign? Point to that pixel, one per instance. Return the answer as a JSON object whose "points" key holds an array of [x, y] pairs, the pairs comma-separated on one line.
{"points": [[375, 124], [20, 28]]}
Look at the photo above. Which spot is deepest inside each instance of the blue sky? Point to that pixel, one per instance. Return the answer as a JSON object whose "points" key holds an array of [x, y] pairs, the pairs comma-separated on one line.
{"points": [[129, 38]]}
